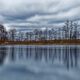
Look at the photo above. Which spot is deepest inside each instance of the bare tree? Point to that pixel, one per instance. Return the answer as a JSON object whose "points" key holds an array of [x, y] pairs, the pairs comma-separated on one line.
{"points": [[30, 35], [52, 30], [12, 33], [75, 31], [50, 34], [3, 33], [71, 30], [40, 34], [46, 33], [26, 35], [66, 29], [36, 34]]}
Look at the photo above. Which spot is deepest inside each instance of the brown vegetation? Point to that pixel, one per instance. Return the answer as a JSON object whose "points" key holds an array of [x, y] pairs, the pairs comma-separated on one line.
{"points": [[43, 42]]}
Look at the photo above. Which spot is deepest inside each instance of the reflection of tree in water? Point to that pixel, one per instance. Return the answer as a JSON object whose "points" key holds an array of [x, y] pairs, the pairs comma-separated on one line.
{"points": [[2, 54], [68, 55], [20, 52], [12, 53], [38, 53]]}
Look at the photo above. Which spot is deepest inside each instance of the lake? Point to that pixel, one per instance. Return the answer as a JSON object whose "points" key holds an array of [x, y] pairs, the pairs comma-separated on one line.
{"points": [[40, 62]]}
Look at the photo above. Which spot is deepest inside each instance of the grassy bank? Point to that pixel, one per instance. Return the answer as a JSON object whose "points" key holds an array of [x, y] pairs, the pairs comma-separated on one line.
{"points": [[42, 42]]}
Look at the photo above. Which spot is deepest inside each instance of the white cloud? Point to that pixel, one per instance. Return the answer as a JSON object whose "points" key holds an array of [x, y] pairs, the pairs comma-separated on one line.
{"points": [[41, 11], [71, 15], [2, 19]]}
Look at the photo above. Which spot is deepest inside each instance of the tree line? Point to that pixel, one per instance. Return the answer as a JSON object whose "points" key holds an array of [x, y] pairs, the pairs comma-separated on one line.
{"points": [[68, 31]]}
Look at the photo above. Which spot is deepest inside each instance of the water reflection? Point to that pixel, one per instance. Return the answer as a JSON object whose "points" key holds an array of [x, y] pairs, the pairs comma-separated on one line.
{"points": [[66, 55], [70, 56], [2, 54]]}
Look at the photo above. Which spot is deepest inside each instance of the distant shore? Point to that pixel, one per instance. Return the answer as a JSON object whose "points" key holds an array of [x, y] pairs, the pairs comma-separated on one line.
{"points": [[42, 42]]}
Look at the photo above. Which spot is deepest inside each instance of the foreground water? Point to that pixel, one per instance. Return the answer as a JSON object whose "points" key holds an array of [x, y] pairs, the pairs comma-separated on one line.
{"points": [[40, 62]]}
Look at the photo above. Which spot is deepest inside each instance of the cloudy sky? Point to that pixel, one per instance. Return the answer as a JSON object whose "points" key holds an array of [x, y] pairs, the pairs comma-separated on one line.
{"points": [[31, 13]]}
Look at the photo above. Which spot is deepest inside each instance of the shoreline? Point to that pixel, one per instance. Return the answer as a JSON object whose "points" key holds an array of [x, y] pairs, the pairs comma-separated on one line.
{"points": [[42, 42]]}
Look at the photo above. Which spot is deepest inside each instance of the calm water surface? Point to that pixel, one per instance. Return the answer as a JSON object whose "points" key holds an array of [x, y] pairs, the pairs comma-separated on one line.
{"points": [[40, 62]]}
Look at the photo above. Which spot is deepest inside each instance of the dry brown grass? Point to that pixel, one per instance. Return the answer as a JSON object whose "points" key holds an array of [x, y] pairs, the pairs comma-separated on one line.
{"points": [[42, 42]]}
